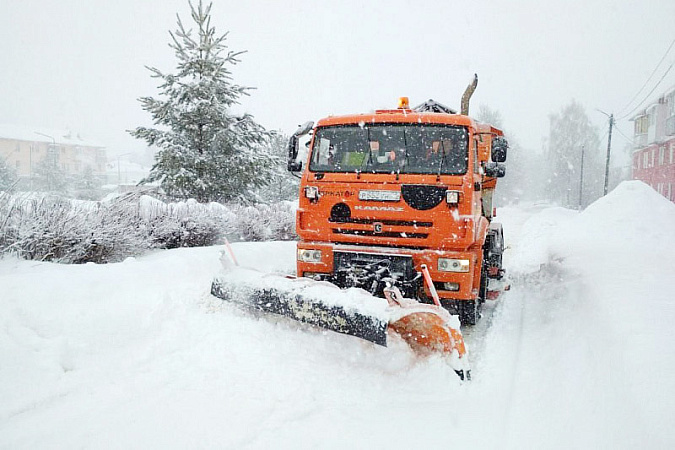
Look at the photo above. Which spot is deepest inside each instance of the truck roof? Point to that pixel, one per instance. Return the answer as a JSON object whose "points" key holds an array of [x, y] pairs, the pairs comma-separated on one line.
{"points": [[397, 116]]}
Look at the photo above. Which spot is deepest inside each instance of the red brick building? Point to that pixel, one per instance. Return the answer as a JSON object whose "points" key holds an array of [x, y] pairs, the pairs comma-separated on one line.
{"points": [[654, 141]]}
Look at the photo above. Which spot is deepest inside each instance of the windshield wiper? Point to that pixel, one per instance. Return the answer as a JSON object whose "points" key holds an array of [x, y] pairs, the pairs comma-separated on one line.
{"points": [[405, 147], [370, 153], [440, 166]]}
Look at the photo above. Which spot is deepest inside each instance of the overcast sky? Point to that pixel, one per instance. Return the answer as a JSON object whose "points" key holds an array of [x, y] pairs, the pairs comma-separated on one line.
{"points": [[80, 64]]}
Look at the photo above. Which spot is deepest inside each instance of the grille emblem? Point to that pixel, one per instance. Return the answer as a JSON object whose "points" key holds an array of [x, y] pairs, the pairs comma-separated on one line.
{"points": [[377, 227]]}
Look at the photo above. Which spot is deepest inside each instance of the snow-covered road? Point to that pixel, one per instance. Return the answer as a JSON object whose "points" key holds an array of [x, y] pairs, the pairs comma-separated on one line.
{"points": [[579, 354]]}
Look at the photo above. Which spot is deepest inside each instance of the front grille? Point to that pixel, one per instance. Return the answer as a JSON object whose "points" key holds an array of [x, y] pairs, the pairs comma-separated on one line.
{"points": [[370, 271], [401, 223], [382, 245], [386, 234]]}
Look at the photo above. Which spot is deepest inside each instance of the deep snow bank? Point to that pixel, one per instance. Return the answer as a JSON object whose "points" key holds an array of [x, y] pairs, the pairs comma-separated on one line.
{"points": [[139, 355], [587, 331]]}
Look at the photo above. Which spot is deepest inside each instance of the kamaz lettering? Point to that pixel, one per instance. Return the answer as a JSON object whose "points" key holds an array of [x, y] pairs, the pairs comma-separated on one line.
{"points": [[378, 208]]}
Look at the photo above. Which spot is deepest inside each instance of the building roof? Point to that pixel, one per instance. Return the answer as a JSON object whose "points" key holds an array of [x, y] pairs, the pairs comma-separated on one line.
{"points": [[39, 134]]}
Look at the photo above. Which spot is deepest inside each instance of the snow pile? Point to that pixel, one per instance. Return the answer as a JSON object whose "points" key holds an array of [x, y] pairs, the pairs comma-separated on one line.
{"points": [[139, 355], [584, 334]]}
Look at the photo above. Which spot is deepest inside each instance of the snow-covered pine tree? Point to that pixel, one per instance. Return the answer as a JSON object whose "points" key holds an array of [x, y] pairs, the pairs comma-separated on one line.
{"points": [[205, 151], [87, 186], [283, 186], [570, 131], [48, 176]]}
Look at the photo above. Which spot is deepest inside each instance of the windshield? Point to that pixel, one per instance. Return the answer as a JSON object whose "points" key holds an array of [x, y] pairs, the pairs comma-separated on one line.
{"points": [[422, 149]]}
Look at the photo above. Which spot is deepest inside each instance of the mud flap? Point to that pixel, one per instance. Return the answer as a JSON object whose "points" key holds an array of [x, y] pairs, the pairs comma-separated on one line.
{"points": [[303, 308]]}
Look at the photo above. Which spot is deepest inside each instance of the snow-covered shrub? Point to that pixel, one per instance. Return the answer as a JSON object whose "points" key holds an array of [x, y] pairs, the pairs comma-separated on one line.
{"points": [[282, 221], [183, 224], [252, 224], [51, 228], [275, 222], [174, 232], [55, 229]]}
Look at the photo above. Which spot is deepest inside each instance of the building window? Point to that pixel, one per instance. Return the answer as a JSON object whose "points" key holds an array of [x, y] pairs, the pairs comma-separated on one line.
{"points": [[641, 125], [651, 164], [662, 155], [18, 164], [17, 148], [645, 161]]}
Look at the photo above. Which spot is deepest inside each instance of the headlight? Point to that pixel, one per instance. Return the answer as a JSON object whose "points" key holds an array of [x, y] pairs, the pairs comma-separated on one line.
{"points": [[451, 287], [312, 192], [453, 265], [310, 256], [452, 197]]}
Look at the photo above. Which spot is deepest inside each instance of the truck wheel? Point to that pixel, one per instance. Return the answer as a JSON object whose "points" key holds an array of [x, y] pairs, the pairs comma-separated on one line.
{"points": [[482, 291], [469, 311]]}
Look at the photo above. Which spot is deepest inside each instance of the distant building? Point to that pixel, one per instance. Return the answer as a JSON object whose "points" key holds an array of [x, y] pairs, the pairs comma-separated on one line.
{"points": [[654, 145], [23, 148]]}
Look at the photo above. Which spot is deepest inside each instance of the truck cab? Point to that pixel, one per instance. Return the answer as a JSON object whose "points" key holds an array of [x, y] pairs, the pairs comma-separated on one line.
{"points": [[385, 193]]}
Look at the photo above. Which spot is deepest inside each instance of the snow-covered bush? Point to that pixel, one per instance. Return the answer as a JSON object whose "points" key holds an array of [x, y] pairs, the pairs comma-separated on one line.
{"points": [[55, 229], [282, 221], [275, 222], [51, 228], [173, 232], [251, 224]]}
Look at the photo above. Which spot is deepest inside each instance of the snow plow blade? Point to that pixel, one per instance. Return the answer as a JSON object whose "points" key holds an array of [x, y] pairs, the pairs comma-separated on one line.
{"points": [[293, 298], [428, 332]]}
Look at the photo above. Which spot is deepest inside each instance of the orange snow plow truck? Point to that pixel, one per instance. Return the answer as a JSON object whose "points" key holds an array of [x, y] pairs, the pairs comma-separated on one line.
{"points": [[397, 203], [389, 195]]}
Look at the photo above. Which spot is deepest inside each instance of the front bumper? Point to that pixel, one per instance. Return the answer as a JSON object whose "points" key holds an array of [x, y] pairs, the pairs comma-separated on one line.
{"points": [[337, 259]]}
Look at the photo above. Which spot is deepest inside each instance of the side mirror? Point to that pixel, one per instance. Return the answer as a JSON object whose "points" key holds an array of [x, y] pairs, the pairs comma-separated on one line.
{"points": [[293, 165], [495, 170], [499, 147], [304, 129]]}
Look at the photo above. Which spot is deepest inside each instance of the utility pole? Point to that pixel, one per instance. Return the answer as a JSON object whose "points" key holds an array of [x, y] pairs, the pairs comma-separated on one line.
{"points": [[581, 178], [609, 148]]}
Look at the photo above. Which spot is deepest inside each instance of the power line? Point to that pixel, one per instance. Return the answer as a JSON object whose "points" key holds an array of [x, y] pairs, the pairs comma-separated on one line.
{"points": [[650, 92], [622, 134], [650, 77]]}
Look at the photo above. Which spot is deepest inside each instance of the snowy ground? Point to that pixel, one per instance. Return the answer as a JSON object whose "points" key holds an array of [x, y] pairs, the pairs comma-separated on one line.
{"points": [[579, 354]]}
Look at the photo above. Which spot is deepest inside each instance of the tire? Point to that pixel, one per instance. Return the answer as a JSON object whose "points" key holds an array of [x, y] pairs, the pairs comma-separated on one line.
{"points": [[469, 312], [482, 289]]}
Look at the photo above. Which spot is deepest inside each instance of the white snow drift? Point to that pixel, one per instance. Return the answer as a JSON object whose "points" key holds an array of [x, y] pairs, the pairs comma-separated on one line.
{"points": [[578, 354]]}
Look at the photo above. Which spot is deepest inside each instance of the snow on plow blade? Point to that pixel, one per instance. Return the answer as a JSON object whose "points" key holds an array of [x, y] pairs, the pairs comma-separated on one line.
{"points": [[427, 329], [306, 301]]}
